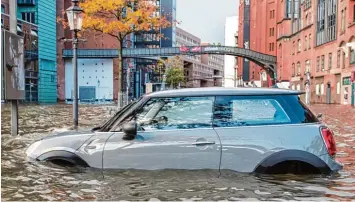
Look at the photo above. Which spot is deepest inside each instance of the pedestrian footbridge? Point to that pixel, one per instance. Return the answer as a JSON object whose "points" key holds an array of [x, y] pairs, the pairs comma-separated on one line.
{"points": [[268, 62]]}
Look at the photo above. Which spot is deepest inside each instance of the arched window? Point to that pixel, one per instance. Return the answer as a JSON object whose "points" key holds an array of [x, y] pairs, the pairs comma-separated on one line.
{"points": [[298, 68], [298, 86], [299, 45], [293, 69], [322, 89]]}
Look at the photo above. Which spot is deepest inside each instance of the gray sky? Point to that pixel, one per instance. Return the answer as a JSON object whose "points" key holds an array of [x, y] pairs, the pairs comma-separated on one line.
{"points": [[205, 18]]}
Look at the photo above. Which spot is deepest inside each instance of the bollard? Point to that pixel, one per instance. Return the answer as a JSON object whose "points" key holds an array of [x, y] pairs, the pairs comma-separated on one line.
{"points": [[14, 117]]}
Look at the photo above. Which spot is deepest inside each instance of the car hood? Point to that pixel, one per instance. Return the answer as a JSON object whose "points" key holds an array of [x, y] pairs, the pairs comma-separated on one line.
{"points": [[66, 141]]}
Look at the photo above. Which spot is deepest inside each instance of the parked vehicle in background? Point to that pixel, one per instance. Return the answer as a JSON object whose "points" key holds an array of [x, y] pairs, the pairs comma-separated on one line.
{"points": [[241, 129]]}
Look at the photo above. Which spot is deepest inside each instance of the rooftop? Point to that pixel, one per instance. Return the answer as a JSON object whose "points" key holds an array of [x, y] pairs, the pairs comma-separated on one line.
{"points": [[212, 91]]}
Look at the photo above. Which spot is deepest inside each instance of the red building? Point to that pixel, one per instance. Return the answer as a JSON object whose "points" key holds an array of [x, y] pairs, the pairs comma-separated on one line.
{"points": [[315, 36]]}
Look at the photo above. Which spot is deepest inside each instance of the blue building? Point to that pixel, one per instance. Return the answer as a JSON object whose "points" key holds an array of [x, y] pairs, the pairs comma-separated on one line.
{"points": [[37, 24]]}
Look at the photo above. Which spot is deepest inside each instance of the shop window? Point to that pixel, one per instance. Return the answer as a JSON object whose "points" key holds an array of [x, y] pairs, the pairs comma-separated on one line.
{"points": [[352, 56], [317, 89], [322, 89], [338, 88]]}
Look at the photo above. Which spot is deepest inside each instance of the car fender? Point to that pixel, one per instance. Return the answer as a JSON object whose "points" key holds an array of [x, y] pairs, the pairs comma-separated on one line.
{"points": [[292, 155], [63, 155]]}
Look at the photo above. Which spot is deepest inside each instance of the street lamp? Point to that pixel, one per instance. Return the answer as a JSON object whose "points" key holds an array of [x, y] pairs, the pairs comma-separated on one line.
{"points": [[75, 19]]}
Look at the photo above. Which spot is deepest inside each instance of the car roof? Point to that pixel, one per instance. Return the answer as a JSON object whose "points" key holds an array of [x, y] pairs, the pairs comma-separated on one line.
{"points": [[215, 91]]}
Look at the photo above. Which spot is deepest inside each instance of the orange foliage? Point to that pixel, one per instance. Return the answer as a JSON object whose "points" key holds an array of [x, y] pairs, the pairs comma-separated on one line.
{"points": [[120, 18]]}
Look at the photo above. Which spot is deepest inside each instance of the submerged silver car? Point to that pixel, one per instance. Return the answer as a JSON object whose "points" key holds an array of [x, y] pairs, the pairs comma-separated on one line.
{"points": [[241, 129]]}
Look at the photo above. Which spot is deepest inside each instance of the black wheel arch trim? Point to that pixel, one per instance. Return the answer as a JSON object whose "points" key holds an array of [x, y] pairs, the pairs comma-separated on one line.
{"points": [[292, 155], [63, 155]]}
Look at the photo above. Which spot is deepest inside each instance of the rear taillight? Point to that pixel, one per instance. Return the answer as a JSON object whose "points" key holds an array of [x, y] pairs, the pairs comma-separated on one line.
{"points": [[329, 141]]}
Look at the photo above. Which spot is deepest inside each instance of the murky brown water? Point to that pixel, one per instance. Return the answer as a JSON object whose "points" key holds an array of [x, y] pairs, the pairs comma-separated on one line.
{"points": [[22, 180]]}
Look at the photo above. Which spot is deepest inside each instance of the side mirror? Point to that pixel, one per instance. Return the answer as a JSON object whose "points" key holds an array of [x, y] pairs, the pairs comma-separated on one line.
{"points": [[130, 130]]}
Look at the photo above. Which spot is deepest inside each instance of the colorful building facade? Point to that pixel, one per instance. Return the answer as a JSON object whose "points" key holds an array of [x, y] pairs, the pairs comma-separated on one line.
{"points": [[36, 22]]}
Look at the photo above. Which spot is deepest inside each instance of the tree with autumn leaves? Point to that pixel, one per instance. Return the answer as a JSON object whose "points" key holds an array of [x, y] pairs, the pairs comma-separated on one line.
{"points": [[173, 70], [120, 18]]}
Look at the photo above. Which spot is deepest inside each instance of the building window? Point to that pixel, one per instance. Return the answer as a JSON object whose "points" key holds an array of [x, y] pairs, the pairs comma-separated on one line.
{"points": [[29, 17], [330, 61], [322, 89], [309, 41], [326, 32], [317, 89], [338, 88], [322, 63], [308, 66], [305, 42], [338, 58], [293, 69], [342, 22], [318, 59], [354, 13], [352, 56], [307, 4], [288, 8], [3, 8], [298, 68], [344, 60], [299, 45], [293, 48]]}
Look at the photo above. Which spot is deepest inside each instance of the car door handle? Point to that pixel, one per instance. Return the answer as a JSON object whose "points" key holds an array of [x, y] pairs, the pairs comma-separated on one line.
{"points": [[203, 143]]}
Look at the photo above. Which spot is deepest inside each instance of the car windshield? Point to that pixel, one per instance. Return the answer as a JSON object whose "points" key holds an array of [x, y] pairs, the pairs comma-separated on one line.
{"points": [[108, 124]]}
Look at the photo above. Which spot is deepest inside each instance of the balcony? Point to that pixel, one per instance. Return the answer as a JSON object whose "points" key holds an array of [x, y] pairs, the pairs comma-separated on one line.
{"points": [[31, 55], [26, 2], [31, 74]]}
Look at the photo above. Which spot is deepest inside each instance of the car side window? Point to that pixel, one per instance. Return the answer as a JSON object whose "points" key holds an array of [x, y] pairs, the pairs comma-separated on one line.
{"points": [[231, 111], [176, 113]]}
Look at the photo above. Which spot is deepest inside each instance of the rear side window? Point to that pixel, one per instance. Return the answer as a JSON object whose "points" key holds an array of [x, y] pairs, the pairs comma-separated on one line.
{"points": [[301, 111], [231, 111], [249, 110]]}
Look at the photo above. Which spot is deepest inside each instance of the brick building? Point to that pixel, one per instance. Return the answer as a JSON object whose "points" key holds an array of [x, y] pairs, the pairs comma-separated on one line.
{"points": [[315, 36], [200, 70]]}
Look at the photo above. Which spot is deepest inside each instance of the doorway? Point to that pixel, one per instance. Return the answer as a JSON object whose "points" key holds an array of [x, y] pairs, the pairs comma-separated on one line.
{"points": [[328, 101]]}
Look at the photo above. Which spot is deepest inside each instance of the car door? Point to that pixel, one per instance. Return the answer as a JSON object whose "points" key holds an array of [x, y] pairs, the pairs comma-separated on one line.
{"points": [[175, 133], [249, 129]]}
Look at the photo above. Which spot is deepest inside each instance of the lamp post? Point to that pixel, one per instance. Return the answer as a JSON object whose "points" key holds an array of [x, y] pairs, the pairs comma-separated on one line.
{"points": [[75, 20]]}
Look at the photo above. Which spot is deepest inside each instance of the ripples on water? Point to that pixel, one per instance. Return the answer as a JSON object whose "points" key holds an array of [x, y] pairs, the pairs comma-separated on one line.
{"points": [[22, 180]]}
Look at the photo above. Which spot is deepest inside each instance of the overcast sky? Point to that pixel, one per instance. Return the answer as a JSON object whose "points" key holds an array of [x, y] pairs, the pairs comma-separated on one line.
{"points": [[205, 18]]}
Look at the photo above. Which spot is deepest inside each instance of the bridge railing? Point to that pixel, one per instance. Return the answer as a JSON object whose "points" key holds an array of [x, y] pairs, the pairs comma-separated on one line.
{"points": [[170, 51]]}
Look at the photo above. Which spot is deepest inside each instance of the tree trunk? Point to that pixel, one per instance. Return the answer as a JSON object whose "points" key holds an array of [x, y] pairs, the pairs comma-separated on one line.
{"points": [[120, 88]]}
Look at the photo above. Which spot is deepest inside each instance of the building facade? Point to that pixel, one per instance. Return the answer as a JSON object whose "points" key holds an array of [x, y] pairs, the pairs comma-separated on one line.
{"points": [[36, 21], [200, 70], [311, 38], [98, 74], [230, 62]]}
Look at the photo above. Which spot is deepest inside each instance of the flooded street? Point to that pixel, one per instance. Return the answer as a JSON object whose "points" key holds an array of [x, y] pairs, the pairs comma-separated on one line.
{"points": [[23, 180]]}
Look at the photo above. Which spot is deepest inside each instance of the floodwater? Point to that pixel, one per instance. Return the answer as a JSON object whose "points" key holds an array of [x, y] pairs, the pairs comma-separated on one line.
{"points": [[23, 180]]}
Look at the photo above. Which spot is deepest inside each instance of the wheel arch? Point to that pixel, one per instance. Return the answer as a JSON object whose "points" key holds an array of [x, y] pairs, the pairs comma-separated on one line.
{"points": [[292, 155], [64, 156]]}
